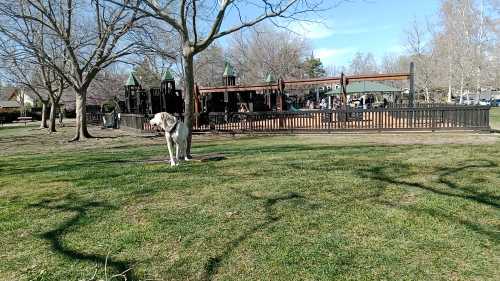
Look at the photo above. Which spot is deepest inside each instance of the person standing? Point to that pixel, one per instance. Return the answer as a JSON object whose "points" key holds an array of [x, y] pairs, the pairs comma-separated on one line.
{"points": [[61, 117], [323, 104], [363, 102], [114, 115]]}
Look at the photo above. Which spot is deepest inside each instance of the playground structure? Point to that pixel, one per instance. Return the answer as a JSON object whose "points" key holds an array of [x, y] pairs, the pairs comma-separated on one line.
{"points": [[141, 101], [272, 95], [264, 107]]}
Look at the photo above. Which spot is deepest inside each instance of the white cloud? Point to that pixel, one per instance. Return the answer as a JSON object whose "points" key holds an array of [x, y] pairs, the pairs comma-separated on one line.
{"points": [[321, 30], [312, 30], [397, 49], [333, 55]]}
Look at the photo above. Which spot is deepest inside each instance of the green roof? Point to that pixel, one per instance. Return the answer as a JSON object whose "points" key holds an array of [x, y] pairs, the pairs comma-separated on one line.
{"points": [[270, 78], [167, 76], [132, 81], [365, 87], [228, 70]]}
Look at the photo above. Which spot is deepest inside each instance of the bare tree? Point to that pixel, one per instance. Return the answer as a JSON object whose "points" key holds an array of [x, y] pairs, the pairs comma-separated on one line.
{"points": [[423, 55], [264, 50], [459, 52], [107, 87], [26, 69], [209, 66], [25, 76], [363, 64], [90, 35], [468, 38], [199, 23]]}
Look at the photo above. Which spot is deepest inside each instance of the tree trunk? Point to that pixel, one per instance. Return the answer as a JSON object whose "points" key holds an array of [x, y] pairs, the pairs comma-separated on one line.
{"points": [[81, 116], [43, 124], [480, 51], [188, 96], [449, 82], [462, 85], [52, 117]]}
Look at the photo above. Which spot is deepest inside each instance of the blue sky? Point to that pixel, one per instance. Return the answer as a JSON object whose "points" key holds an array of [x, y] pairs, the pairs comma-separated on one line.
{"points": [[375, 26]]}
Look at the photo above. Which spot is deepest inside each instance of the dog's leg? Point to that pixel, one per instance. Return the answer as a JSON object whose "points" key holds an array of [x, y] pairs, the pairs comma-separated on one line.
{"points": [[178, 155], [184, 154], [169, 145]]}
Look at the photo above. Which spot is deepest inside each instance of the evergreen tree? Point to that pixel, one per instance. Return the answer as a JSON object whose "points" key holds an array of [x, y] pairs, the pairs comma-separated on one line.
{"points": [[314, 68]]}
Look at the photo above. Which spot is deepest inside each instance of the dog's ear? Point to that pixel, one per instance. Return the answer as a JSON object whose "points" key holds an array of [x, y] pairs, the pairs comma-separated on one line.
{"points": [[163, 119], [168, 121]]}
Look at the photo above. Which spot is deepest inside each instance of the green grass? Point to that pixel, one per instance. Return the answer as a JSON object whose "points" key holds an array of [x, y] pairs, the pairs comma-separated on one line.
{"points": [[495, 118], [278, 208]]}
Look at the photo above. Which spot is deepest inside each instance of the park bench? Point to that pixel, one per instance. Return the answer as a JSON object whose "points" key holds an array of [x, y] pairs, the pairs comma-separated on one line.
{"points": [[23, 120]]}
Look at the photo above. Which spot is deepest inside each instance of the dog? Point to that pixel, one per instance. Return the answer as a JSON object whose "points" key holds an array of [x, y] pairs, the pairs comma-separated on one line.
{"points": [[175, 132]]}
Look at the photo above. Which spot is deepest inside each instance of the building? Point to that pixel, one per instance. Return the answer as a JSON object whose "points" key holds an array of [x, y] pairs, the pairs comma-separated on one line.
{"points": [[377, 90], [9, 105], [23, 98], [8, 99]]}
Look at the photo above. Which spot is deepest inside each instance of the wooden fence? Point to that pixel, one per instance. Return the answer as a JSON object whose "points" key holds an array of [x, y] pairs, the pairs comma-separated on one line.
{"points": [[435, 118], [448, 117], [135, 121], [95, 118]]}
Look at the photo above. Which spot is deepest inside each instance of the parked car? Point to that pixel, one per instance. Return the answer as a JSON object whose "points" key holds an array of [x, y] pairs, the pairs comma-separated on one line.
{"points": [[484, 102], [469, 102]]}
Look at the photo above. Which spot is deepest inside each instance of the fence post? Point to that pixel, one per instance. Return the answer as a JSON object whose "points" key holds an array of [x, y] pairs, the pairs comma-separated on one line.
{"points": [[412, 84], [487, 125]]}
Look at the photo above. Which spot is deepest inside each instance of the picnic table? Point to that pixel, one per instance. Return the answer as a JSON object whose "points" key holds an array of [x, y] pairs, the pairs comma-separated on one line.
{"points": [[23, 120]]}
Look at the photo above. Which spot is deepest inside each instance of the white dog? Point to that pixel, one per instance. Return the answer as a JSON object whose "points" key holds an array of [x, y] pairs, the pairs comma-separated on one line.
{"points": [[175, 131]]}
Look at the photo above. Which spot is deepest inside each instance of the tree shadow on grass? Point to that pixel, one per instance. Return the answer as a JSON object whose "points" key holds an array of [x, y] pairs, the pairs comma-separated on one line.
{"points": [[382, 173], [444, 184], [213, 265], [442, 214], [447, 173], [69, 164], [297, 148], [82, 209], [450, 188]]}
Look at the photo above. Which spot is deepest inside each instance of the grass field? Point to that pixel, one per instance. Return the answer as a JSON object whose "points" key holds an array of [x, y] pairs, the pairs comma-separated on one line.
{"points": [[495, 118], [347, 207]]}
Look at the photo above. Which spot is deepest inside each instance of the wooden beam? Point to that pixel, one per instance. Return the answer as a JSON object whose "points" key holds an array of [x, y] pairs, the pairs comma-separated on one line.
{"points": [[331, 80], [305, 82], [256, 88]]}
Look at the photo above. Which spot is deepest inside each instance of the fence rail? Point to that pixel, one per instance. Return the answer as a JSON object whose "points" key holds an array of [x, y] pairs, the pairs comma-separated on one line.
{"points": [[95, 118], [379, 119], [420, 118]]}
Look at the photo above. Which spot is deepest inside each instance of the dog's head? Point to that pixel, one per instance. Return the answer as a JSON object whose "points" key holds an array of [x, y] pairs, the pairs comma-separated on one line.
{"points": [[164, 120]]}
